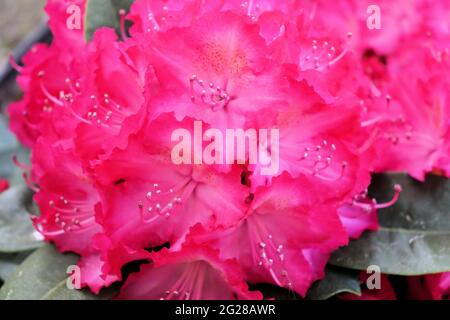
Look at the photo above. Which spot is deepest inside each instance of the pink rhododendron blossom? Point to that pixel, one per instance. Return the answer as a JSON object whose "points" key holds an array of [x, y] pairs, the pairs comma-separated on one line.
{"points": [[357, 219], [398, 22], [274, 252], [44, 73], [66, 39], [429, 287], [410, 116], [93, 276], [110, 99], [425, 287], [149, 16], [385, 292], [42, 78], [439, 285], [216, 70], [195, 272], [318, 141], [360, 214], [4, 185], [66, 197], [129, 137], [148, 201]]}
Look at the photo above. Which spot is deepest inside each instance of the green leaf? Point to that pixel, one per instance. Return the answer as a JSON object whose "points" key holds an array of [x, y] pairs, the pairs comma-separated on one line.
{"points": [[16, 230], [41, 272], [337, 280], [104, 13], [414, 236], [61, 292], [42, 276], [9, 263], [8, 146]]}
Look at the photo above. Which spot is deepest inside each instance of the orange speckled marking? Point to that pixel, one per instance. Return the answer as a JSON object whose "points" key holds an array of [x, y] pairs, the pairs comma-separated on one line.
{"points": [[217, 58]]}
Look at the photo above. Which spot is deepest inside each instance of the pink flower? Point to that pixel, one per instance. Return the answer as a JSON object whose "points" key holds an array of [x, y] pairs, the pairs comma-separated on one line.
{"points": [[66, 198], [282, 227], [385, 292], [102, 118], [425, 287], [67, 39], [102, 264], [150, 16], [361, 213], [109, 103], [397, 23], [4, 185], [357, 219], [409, 117], [326, 63], [144, 208], [92, 275], [320, 142], [193, 273], [44, 74], [435, 17], [42, 79], [439, 285], [429, 287], [216, 70]]}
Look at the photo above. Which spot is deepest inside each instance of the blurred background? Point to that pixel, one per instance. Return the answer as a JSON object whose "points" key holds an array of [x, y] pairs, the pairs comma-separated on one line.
{"points": [[22, 23], [17, 19]]}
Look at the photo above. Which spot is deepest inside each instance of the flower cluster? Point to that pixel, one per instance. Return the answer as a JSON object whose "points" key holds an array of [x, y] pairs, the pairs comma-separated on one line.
{"points": [[347, 100]]}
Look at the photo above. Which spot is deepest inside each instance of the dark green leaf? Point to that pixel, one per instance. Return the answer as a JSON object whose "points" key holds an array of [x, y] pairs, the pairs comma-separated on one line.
{"points": [[38, 275], [104, 13], [43, 276], [61, 292], [8, 146], [16, 231], [9, 263], [415, 233], [337, 280]]}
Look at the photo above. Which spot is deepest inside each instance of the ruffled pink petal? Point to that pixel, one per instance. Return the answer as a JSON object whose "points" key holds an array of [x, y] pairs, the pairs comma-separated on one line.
{"points": [[66, 199], [280, 229], [194, 273], [91, 273]]}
